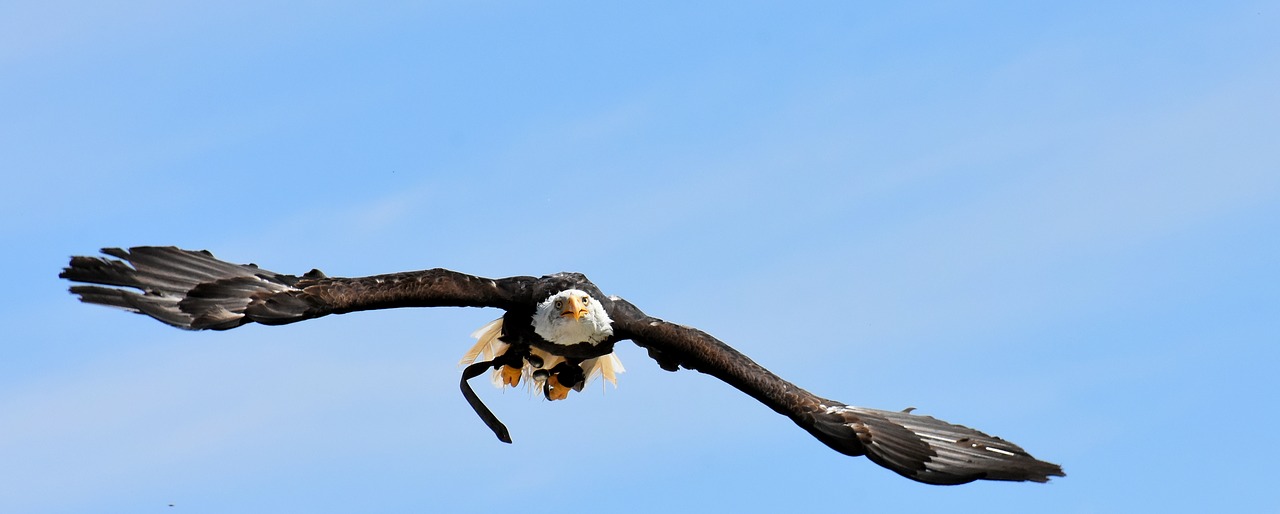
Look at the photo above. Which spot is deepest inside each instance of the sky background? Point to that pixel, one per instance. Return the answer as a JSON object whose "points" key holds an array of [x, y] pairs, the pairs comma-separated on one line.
{"points": [[1056, 223]]}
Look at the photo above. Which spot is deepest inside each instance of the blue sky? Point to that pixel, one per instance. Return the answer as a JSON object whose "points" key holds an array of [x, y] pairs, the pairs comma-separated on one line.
{"points": [[1059, 224]]}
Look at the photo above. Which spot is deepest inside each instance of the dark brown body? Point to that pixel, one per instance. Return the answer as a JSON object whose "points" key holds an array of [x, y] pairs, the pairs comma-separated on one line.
{"points": [[194, 290]]}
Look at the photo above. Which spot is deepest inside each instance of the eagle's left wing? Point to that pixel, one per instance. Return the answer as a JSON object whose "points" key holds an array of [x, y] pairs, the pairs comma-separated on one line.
{"points": [[194, 290], [921, 448]]}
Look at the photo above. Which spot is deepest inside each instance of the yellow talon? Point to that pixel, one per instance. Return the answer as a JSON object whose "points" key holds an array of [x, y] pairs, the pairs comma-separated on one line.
{"points": [[556, 390], [511, 376]]}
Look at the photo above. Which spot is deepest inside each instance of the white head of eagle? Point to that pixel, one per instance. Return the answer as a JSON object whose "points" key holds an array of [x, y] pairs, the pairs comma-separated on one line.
{"points": [[567, 318], [572, 341], [571, 317]]}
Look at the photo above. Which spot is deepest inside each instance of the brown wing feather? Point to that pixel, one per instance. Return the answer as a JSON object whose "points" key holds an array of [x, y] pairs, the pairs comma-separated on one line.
{"points": [[921, 448], [195, 290]]}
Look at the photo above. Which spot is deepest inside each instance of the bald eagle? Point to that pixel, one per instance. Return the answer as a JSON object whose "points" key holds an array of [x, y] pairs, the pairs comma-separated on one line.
{"points": [[557, 332]]}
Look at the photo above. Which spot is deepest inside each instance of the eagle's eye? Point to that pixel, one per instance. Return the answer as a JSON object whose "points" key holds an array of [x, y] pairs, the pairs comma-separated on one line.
{"points": [[585, 299], [559, 304]]}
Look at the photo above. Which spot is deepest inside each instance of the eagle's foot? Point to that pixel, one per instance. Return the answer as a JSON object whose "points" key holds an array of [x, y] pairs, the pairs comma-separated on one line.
{"points": [[556, 390], [510, 375]]}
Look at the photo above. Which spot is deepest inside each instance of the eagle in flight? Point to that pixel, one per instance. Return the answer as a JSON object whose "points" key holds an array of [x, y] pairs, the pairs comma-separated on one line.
{"points": [[557, 332]]}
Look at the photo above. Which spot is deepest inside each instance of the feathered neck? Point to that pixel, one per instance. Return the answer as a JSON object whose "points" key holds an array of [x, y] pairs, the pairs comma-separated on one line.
{"points": [[550, 324]]}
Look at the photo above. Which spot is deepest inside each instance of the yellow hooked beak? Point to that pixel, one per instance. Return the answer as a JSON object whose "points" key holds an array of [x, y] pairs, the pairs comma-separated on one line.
{"points": [[575, 307]]}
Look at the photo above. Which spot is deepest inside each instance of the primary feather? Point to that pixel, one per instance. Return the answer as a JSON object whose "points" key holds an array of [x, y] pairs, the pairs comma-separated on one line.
{"points": [[554, 319]]}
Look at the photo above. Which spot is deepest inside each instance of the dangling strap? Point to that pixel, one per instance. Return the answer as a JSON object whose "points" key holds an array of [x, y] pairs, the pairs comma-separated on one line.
{"points": [[485, 414]]}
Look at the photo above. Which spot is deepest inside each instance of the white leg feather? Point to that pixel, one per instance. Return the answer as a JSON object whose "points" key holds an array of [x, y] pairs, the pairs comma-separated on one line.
{"points": [[607, 367], [489, 347]]}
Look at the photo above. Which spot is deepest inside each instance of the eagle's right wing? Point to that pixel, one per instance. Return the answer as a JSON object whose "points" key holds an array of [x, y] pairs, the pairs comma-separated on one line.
{"points": [[194, 290]]}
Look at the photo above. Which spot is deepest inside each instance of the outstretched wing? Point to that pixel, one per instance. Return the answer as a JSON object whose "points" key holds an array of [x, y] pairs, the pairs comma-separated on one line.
{"points": [[195, 290], [917, 447]]}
